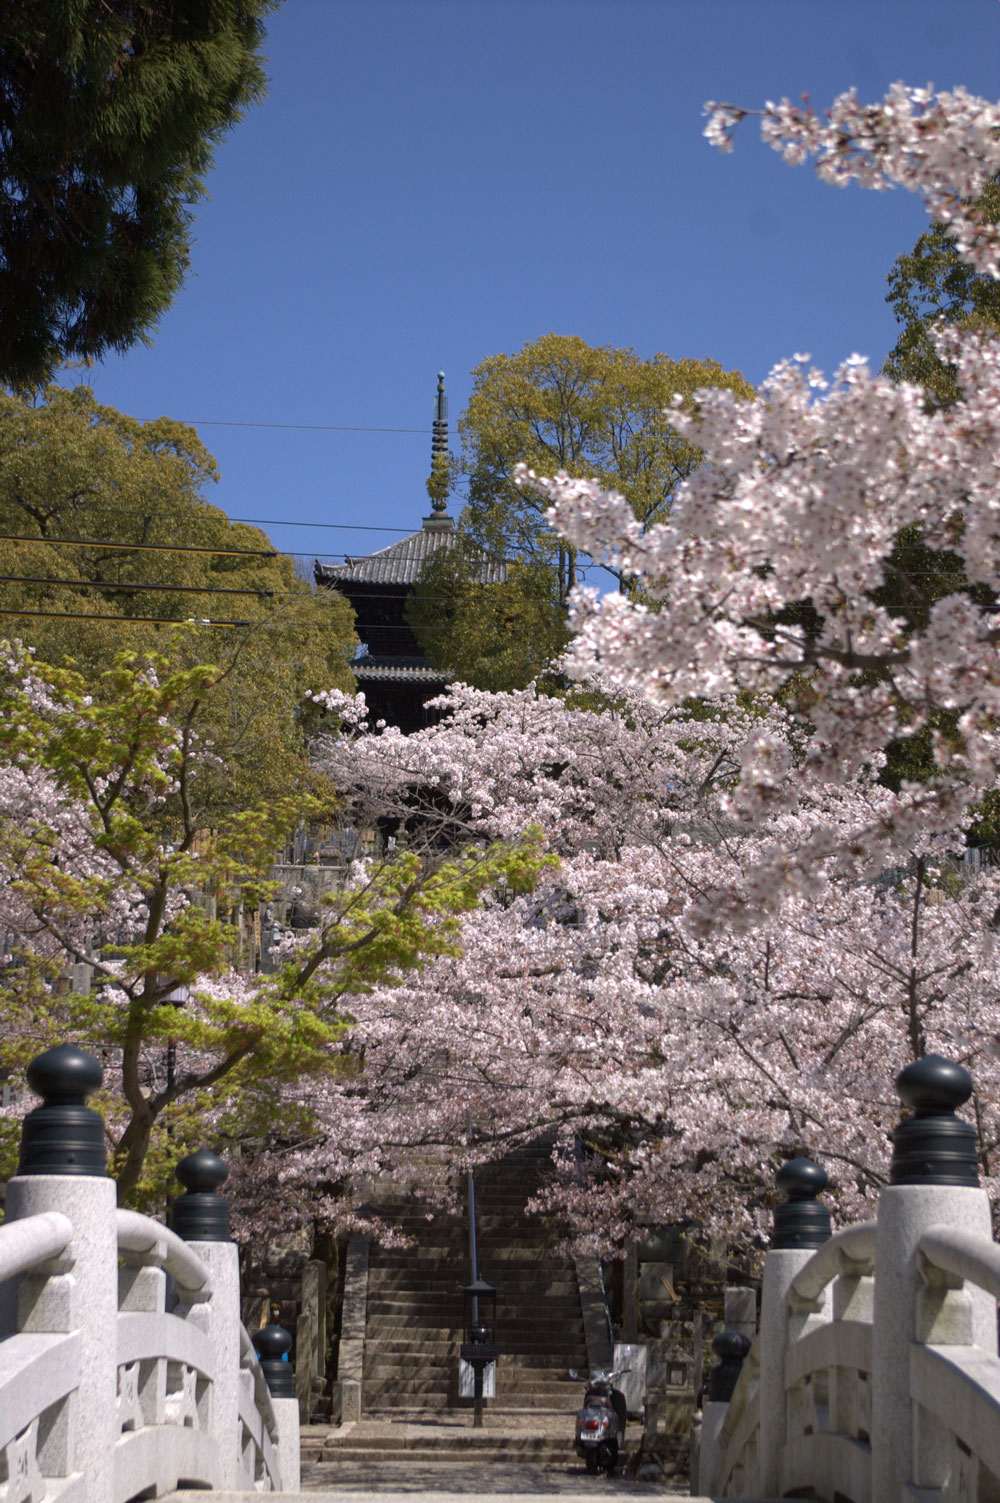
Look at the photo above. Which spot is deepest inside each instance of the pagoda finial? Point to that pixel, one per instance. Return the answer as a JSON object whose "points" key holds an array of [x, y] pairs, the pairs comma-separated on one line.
{"points": [[440, 477]]}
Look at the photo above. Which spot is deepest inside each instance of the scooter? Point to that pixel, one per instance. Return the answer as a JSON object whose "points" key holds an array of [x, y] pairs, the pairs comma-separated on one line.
{"points": [[600, 1424]]}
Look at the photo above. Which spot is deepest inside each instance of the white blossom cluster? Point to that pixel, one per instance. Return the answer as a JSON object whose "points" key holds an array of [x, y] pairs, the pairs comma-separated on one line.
{"points": [[765, 576], [627, 999]]}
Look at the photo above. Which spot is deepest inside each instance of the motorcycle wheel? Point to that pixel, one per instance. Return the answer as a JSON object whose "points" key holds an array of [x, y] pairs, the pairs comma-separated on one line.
{"points": [[612, 1458], [591, 1460]]}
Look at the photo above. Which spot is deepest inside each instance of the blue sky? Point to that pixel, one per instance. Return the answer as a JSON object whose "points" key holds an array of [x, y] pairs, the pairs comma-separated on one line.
{"points": [[430, 182]]}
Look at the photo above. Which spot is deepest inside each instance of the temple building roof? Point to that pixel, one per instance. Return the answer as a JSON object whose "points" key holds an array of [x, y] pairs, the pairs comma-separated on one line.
{"points": [[402, 563], [392, 670], [399, 670]]}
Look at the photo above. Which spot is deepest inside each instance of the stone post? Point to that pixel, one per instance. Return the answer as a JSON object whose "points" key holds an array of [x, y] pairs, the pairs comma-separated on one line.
{"points": [[351, 1352], [201, 1216], [63, 1168], [730, 1348], [630, 1292], [801, 1225], [934, 1179], [272, 1344], [314, 1306]]}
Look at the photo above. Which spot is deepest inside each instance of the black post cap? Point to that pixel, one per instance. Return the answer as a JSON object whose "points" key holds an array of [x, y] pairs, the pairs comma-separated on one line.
{"points": [[201, 1214], [802, 1221], [271, 1343], [730, 1348], [933, 1146], [63, 1135]]}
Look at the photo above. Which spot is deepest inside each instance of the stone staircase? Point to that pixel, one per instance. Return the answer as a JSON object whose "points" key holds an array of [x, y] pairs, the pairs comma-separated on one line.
{"points": [[413, 1328]]}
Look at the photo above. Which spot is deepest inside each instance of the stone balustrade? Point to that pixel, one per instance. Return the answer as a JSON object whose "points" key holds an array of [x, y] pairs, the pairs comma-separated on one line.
{"points": [[875, 1376], [125, 1371]]}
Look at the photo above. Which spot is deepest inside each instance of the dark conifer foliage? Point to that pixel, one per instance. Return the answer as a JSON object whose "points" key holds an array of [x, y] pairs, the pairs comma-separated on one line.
{"points": [[109, 114]]}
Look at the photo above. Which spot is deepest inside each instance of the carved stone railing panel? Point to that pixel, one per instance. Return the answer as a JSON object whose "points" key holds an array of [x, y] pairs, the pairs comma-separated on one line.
{"points": [[957, 1393], [121, 1374], [258, 1449]]}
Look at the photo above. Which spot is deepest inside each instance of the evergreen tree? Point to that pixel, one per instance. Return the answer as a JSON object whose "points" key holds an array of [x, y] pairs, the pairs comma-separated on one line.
{"points": [[109, 115]]}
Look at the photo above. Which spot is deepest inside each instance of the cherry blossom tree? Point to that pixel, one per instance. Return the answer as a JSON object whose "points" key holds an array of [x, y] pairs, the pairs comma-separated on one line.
{"points": [[775, 572], [609, 1005]]}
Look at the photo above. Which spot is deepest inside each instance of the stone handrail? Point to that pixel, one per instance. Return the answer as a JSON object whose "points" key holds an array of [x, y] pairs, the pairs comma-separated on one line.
{"points": [[249, 1362], [851, 1250], [961, 1255], [36, 1239], [879, 1371], [141, 1234], [124, 1368]]}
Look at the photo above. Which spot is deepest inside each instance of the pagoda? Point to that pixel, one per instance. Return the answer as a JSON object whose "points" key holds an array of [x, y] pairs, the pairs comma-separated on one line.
{"points": [[392, 671]]}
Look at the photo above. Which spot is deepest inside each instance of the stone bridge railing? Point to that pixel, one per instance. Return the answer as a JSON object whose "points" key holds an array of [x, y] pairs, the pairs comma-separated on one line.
{"points": [[125, 1371], [874, 1377]]}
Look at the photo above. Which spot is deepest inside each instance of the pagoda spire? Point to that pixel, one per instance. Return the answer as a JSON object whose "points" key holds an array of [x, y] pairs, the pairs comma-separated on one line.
{"points": [[440, 476]]}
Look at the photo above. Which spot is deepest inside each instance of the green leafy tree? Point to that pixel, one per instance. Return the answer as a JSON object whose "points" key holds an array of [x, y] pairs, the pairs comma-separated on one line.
{"points": [[497, 636], [561, 404], [74, 473], [112, 852], [109, 115], [931, 284], [928, 286]]}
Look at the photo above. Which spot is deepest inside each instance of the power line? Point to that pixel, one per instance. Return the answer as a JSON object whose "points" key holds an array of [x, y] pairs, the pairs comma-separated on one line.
{"points": [[110, 584], [122, 620], [145, 514], [332, 526], [10, 537], [299, 427]]}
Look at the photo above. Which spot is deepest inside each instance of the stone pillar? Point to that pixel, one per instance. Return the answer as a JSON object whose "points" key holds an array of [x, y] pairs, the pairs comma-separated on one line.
{"points": [[201, 1216], [630, 1292], [63, 1168], [934, 1179], [801, 1225], [351, 1352], [286, 1412], [730, 1349], [272, 1344], [739, 1310], [314, 1307]]}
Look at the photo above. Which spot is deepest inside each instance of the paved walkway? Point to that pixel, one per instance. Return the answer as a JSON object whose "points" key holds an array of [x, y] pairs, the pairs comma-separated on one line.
{"points": [[518, 1454], [394, 1478]]}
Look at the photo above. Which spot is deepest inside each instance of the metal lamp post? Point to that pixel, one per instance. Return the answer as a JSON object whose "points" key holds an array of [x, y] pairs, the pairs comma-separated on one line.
{"points": [[479, 1348], [176, 997]]}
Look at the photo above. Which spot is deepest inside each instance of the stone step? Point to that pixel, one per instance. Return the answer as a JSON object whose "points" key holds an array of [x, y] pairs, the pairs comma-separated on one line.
{"points": [[428, 1314], [538, 1273], [547, 1359], [509, 1381], [514, 1448], [560, 1307], [383, 1282], [530, 1252], [537, 1283], [513, 1341], [523, 1343], [438, 1400], [385, 1393], [403, 1348]]}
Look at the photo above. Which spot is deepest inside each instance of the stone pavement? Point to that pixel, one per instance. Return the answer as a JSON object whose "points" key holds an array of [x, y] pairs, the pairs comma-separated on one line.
{"points": [[510, 1456], [513, 1458]]}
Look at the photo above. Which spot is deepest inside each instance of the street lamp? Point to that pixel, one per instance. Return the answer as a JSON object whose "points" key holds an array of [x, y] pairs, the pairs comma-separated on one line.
{"points": [[479, 1349]]}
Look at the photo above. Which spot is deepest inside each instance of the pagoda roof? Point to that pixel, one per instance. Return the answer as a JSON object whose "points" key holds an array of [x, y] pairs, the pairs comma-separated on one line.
{"points": [[400, 670], [402, 563]]}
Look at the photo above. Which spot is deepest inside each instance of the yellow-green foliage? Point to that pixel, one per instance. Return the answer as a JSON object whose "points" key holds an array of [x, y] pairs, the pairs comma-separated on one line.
{"points": [[126, 759]]}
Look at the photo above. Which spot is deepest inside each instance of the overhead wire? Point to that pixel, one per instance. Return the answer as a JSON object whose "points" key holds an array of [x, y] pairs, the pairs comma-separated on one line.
{"points": [[111, 584], [299, 427], [10, 537], [123, 620]]}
